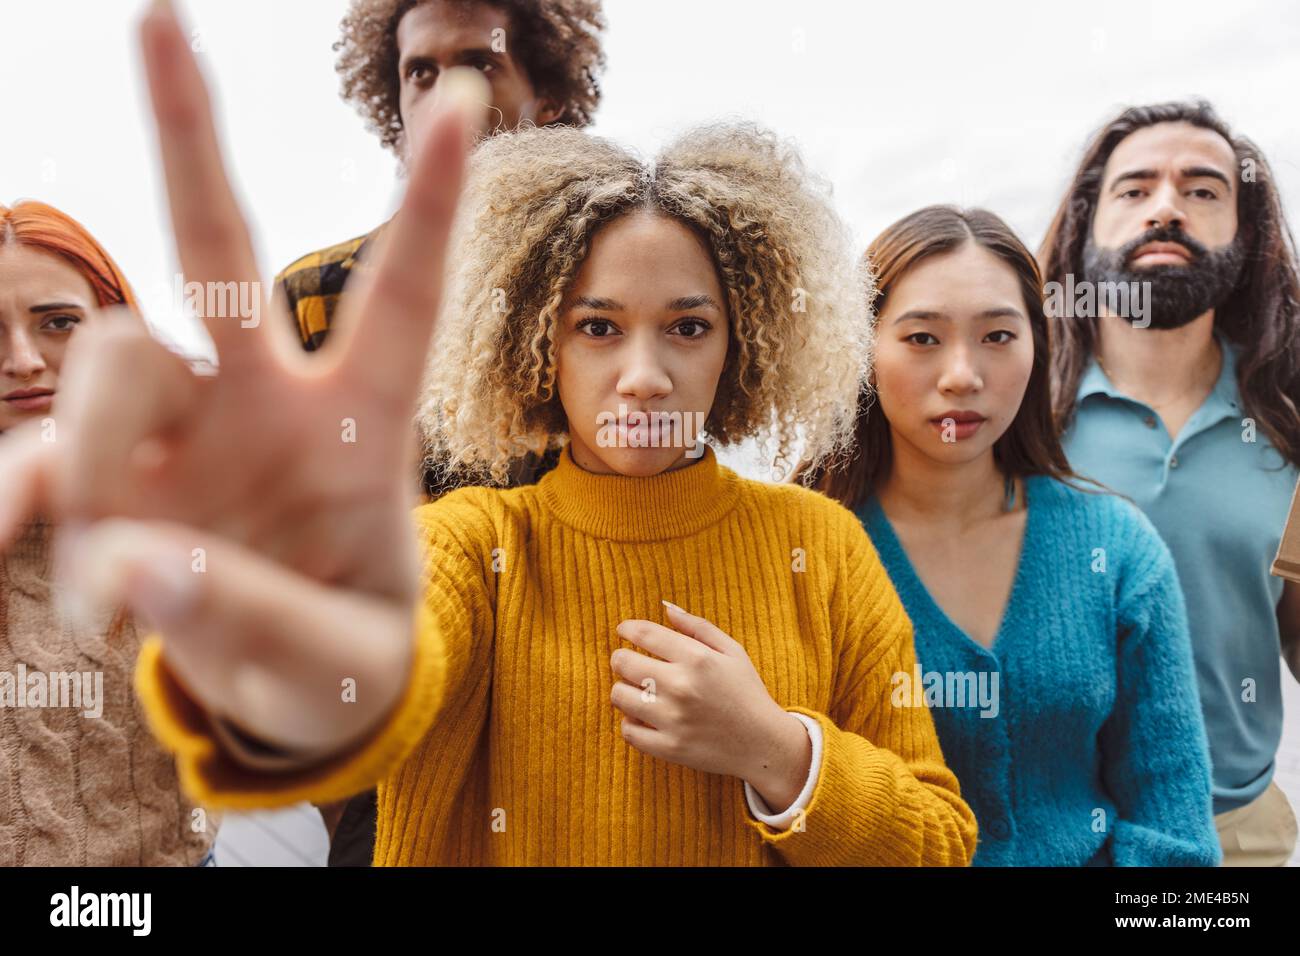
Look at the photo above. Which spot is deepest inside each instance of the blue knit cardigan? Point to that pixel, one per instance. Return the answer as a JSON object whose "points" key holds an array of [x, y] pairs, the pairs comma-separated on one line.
{"points": [[1078, 737]]}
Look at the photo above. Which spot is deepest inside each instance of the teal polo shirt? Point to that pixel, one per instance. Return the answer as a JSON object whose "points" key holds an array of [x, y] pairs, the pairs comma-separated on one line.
{"points": [[1220, 500]]}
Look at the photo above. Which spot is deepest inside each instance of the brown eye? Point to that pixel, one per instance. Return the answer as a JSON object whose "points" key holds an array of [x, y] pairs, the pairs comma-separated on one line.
{"points": [[596, 328], [62, 323]]}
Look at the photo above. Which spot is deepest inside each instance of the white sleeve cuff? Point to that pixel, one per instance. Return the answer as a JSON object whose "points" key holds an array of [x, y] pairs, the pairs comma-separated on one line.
{"points": [[782, 821]]}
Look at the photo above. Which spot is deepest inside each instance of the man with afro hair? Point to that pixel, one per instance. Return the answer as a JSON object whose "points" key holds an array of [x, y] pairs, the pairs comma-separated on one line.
{"points": [[542, 59]]}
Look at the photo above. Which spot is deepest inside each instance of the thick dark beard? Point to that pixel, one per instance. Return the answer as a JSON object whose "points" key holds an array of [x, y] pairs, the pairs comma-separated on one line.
{"points": [[1178, 293]]}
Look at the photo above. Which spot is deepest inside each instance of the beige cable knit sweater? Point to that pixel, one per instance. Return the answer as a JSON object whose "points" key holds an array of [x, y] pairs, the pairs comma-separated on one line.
{"points": [[79, 790]]}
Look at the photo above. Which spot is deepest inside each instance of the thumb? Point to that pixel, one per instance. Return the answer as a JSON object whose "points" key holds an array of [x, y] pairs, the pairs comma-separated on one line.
{"points": [[253, 642]]}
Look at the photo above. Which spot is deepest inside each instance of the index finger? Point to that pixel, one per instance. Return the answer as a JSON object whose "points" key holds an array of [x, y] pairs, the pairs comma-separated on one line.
{"points": [[661, 641], [212, 239], [700, 628], [389, 319]]}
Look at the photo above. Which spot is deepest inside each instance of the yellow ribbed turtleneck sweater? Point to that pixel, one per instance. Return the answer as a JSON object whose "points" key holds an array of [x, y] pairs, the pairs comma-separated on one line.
{"points": [[506, 749]]}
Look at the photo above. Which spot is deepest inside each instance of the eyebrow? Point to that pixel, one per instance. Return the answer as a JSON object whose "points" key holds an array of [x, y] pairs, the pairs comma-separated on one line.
{"points": [[485, 52], [1206, 172], [688, 302], [680, 304], [597, 303], [56, 306], [1002, 312], [1191, 172], [460, 56]]}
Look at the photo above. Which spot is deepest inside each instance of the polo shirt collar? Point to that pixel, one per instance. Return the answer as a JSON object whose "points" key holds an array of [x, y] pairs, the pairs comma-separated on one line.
{"points": [[1225, 389], [1095, 382], [1222, 400]]}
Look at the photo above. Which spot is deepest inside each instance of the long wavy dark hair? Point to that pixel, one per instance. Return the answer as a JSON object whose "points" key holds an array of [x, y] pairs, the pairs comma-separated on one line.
{"points": [[1031, 445], [1261, 316]]}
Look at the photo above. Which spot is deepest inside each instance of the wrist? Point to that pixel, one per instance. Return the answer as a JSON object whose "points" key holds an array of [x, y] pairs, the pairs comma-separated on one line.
{"points": [[331, 705], [779, 768]]}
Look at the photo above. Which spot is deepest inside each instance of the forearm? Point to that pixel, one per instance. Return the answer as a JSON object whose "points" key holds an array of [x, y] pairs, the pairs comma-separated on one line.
{"points": [[221, 771], [1288, 626], [870, 807], [1155, 753], [1157, 768], [1137, 845], [1291, 653]]}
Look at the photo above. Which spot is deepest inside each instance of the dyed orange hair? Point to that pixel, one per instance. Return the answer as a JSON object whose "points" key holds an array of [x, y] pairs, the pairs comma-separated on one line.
{"points": [[40, 226]]}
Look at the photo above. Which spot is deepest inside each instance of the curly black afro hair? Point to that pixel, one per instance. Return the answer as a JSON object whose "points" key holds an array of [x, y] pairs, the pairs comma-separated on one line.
{"points": [[558, 45]]}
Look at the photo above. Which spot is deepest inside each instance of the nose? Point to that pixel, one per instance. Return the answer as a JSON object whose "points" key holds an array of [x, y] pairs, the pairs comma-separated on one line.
{"points": [[1167, 208], [643, 375], [959, 376], [21, 359]]}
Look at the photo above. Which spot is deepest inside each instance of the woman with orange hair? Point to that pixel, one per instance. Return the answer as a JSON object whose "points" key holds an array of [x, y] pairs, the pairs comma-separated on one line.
{"points": [[81, 780]]}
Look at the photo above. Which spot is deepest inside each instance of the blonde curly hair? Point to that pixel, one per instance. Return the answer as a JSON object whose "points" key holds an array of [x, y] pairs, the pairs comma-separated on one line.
{"points": [[798, 299], [558, 43]]}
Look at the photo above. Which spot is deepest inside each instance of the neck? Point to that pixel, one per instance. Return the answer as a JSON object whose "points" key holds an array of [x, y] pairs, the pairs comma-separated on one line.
{"points": [[956, 495], [1161, 363], [588, 460], [674, 503]]}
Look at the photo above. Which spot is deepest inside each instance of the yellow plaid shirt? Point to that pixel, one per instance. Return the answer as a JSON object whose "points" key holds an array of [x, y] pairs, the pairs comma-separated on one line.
{"points": [[313, 285]]}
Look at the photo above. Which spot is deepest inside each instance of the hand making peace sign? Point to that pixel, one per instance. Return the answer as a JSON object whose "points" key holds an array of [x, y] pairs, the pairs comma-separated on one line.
{"points": [[308, 557]]}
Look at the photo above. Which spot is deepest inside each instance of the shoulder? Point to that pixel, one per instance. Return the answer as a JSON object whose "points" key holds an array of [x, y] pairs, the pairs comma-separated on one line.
{"points": [[807, 507], [818, 524], [467, 518], [475, 515], [1096, 511], [1115, 532], [317, 272]]}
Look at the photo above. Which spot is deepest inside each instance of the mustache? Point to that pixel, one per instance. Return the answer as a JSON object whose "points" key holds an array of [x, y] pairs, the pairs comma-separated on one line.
{"points": [[1163, 234]]}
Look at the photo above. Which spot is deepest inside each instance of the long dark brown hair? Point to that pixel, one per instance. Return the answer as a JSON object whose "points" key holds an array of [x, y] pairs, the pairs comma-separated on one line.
{"points": [[1261, 316], [1031, 445]]}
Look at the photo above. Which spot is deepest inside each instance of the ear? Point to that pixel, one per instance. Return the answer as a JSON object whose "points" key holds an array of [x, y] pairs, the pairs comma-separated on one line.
{"points": [[548, 111]]}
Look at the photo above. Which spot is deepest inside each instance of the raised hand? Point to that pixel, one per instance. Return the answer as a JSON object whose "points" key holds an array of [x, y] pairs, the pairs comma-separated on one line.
{"points": [[260, 518]]}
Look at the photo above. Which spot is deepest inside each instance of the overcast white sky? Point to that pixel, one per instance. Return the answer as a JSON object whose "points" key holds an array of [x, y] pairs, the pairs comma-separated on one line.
{"points": [[899, 104]]}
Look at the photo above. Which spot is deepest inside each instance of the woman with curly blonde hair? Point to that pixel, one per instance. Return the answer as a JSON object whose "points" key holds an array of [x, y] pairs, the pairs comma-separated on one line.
{"points": [[495, 691], [790, 296]]}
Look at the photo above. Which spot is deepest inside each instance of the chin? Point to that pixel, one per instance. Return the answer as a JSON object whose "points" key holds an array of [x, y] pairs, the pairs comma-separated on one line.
{"points": [[13, 418], [642, 463], [958, 452]]}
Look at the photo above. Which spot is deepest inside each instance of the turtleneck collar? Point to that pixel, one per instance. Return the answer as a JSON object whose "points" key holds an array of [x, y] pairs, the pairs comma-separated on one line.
{"points": [[618, 508]]}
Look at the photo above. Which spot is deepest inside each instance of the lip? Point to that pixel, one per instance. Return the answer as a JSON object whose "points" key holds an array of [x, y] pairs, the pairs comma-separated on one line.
{"points": [[964, 423], [959, 416], [31, 399], [1161, 253], [655, 426]]}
